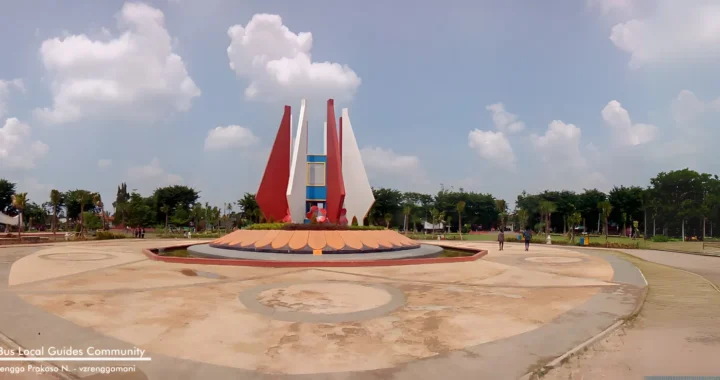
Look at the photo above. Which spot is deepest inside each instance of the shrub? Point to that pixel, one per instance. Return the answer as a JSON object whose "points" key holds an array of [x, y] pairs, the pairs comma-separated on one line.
{"points": [[660, 239], [354, 222], [107, 235]]}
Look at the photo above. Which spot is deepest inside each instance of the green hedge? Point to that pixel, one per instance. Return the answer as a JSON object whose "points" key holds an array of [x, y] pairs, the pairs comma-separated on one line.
{"points": [[310, 227], [107, 235], [660, 239]]}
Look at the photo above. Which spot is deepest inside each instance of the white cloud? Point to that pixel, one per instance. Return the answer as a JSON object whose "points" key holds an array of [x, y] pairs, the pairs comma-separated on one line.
{"points": [[278, 63], [492, 146], [153, 174], [505, 121], [677, 32], [560, 145], [559, 151], [5, 87], [232, 136], [17, 150], [134, 76], [104, 163], [612, 6], [625, 131], [381, 162]]}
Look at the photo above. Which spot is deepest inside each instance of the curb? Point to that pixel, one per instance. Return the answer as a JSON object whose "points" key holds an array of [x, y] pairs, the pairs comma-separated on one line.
{"points": [[311, 264], [534, 375], [59, 374]]}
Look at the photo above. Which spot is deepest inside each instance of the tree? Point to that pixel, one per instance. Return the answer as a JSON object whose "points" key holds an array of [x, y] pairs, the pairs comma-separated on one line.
{"points": [[165, 209], [7, 190], [448, 221], [97, 200], [573, 220], [56, 200], [83, 197], [587, 205], [387, 201], [121, 202], [33, 213], [141, 211], [19, 201], [605, 208], [406, 216], [460, 207], [522, 216], [197, 213], [248, 205], [354, 221], [181, 216], [174, 196], [546, 209], [73, 206]]}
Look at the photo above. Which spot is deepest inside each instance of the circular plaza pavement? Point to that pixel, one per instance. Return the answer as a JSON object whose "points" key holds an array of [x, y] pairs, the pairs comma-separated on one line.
{"points": [[496, 317]]}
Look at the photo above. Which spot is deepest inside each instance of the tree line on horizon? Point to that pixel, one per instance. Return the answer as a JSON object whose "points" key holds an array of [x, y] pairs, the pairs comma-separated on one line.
{"points": [[674, 203]]}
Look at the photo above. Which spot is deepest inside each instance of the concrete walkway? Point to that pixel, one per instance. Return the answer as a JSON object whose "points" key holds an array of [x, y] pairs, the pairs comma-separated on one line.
{"points": [[677, 333], [496, 318]]}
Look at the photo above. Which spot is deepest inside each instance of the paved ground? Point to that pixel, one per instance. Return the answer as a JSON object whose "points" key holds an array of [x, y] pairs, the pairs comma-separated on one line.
{"points": [[493, 318], [677, 332]]}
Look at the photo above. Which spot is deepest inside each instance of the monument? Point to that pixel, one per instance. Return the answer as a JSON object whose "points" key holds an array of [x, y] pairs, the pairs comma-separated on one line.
{"points": [[332, 187], [314, 197]]}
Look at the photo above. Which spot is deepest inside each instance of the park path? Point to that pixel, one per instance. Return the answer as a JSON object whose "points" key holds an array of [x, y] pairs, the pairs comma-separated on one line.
{"points": [[677, 332]]}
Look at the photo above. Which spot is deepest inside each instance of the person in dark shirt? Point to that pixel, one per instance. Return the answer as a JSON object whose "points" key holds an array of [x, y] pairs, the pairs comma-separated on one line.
{"points": [[501, 239], [528, 236]]}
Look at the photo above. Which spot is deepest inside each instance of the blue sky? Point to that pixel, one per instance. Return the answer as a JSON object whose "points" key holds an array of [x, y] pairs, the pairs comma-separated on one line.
{"points": [[481, 95]]}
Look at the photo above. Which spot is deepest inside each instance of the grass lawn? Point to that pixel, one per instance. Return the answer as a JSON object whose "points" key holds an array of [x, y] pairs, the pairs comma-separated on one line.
{"points": [[689, 246]]}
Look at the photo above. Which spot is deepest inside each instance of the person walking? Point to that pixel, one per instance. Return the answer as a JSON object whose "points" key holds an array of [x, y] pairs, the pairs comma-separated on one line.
{"points": [[528, 236], [142, 233], [501, 239]]}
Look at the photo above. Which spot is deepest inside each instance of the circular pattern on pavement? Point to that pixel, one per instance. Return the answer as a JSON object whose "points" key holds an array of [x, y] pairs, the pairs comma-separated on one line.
{"points": [[77, 256], [322, 301], [554, 260]]}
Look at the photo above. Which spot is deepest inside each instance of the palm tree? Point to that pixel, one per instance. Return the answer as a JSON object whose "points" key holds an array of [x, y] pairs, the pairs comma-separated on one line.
{"points": [[434, 216], [55, 201], [546, 209], [449, 222], [197, 212], [605, 209], [83, 197], [415, 219], [97, 200], [460, 207], [19, 201], [522, 216], [573, 220], [624, 219], [388, 219], [165, 209], [406, 216]]}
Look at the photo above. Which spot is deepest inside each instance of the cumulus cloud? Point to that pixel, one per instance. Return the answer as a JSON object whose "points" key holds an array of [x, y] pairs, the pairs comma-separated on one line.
{"points": [[104, 163], [134, 76], [626, 132], [153, 174], [678, 31], [612, 6], [560, 147], [232, 136], [278, 63], [17, 150], [560, 144], [385, 163], [5, 87], [503, 120], [492, 146]]}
